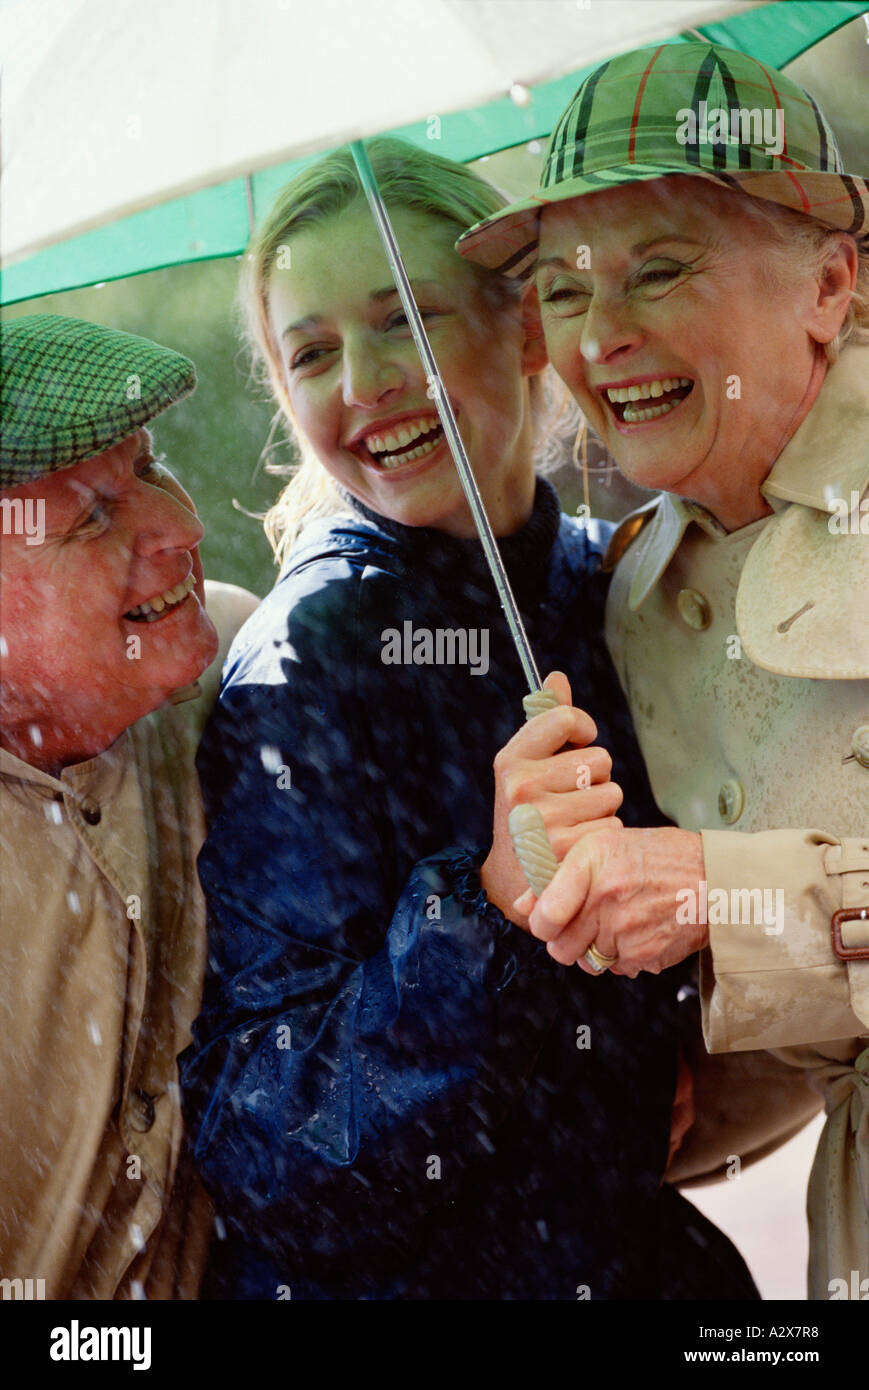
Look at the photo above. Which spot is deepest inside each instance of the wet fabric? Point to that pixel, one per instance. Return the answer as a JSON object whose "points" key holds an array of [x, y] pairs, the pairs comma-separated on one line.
{"points": [[102, 951], [393, 1091], [762, 754]]}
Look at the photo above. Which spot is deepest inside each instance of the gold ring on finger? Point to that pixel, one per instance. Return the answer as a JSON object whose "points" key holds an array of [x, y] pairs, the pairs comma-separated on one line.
{"points": [[598, 961]]}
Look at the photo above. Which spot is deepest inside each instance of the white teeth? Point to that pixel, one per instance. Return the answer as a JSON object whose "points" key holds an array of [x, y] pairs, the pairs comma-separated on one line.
{"points": [[404, 435], [165, 600], [622, 394], [632, 417], [396, 460]]}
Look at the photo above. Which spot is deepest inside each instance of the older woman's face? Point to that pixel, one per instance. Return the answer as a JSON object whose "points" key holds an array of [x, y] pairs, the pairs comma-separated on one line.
{"points": [[661, 317]]}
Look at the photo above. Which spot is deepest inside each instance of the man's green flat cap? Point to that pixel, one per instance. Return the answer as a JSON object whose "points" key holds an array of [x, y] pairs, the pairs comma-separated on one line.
{"points": [[70, 390]]}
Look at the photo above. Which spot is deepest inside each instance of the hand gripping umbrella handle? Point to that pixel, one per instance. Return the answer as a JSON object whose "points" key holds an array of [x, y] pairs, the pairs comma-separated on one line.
{"points": [[526, 825]]}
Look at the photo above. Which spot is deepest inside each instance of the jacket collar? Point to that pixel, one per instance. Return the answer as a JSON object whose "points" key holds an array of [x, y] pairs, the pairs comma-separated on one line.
{"points": [[99, 776], [826, 459], [446, 561]]}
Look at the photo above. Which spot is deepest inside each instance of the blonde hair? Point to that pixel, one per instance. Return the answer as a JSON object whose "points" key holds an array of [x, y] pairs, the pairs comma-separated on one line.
{"points": [[409, 178]]}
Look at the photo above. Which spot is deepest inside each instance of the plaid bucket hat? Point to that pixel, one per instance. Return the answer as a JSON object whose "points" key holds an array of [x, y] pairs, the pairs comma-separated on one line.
{"points": [[70, 389], [684, 108]]}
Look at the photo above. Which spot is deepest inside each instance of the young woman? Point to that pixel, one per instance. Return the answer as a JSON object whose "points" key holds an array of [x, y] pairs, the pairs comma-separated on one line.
{"points": [[394, 1092]]}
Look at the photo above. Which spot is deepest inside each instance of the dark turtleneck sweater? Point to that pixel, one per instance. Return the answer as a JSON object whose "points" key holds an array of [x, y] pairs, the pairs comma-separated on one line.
{"points": [[526, 553], [393, 1091]]}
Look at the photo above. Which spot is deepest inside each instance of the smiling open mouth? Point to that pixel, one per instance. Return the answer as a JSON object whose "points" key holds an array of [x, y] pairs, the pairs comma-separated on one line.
{"points": [[633, 404], [160, 604], [410, 440]]}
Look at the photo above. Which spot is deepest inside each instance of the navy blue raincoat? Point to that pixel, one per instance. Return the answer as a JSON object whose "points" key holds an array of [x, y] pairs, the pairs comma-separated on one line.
{"points": [[393, 1092]]}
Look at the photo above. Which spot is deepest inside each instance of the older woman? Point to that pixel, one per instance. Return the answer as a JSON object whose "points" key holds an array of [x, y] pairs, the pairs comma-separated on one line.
{"points": [[702, 270]]}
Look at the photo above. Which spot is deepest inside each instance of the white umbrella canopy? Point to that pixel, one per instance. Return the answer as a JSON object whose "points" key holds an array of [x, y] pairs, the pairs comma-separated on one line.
{"points": [[112, 106]]}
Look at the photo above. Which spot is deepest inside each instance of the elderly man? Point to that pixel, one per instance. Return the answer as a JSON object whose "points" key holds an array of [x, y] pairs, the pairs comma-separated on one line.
{"points": [[102, 939], [703, 277]]}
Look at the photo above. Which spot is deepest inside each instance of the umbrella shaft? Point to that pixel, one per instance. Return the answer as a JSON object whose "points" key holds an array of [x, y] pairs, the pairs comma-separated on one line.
{"points": [[448, 419]]}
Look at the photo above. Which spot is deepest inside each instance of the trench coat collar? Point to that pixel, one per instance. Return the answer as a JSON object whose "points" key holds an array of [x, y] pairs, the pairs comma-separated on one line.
{"points": [[827, 459]]}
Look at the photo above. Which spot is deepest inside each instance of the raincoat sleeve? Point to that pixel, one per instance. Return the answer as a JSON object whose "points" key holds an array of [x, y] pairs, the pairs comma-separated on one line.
{"points": [[782, 984], [745, 1105], [361, 1032]]}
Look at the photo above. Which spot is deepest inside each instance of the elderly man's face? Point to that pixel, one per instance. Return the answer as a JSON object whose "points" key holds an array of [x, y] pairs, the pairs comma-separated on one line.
{"points": [[661, 291], [102, 620]]}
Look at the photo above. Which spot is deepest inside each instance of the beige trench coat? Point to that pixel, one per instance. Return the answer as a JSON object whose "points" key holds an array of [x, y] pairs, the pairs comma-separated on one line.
{"points": [[745, 658], [102, 951]]}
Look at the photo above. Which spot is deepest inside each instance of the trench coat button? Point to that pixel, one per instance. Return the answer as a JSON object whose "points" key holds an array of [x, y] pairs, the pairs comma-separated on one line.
{"points": [[731, 800], [91, 811], [693, 609], [860, 745], [141, 1111]]}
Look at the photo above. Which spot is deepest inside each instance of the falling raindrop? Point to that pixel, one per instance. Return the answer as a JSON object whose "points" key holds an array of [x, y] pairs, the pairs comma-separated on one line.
{"points": [[271, 758], [94, 1030], [73, 901]]}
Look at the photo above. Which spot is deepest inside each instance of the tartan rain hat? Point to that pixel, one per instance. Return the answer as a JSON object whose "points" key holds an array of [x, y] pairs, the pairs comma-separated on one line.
{"points": [[685, 108], [70, 390]]}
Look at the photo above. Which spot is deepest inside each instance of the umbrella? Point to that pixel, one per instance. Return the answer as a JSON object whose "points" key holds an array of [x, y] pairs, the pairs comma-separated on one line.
{"points": [[141, 136], [211, 133]]}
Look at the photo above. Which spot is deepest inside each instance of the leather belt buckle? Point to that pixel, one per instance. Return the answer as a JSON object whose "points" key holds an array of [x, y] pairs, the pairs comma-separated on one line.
{"points": [[850, 914]]}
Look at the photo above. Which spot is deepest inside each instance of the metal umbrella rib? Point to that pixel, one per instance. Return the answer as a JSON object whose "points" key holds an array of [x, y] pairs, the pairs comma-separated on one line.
{"points": [[448, 419]]}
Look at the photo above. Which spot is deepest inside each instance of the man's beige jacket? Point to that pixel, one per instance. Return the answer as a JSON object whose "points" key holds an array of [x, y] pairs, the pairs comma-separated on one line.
{"points": [[102, 951], [745, 658]]}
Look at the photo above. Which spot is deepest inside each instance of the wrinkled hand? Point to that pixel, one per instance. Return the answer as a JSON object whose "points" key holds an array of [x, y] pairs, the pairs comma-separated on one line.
{"points": [[617, 890], [532, 767]]}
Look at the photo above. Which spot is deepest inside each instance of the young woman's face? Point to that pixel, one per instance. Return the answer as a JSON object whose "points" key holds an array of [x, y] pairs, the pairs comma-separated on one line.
{"points": [[357, 387]]}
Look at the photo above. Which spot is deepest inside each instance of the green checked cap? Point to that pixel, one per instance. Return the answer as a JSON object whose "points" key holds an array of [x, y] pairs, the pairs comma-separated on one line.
{"points": [[682, 108], [70, 389]]}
